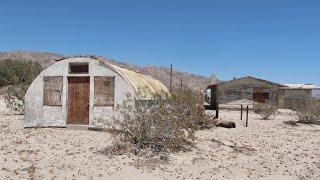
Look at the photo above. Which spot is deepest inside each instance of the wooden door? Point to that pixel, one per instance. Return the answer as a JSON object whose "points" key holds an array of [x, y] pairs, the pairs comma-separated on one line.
{"points": [[260, 97], [78, 100]]}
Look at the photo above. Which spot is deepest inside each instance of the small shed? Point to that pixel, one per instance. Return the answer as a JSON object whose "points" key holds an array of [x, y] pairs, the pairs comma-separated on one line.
{"points": [[84, 91]]}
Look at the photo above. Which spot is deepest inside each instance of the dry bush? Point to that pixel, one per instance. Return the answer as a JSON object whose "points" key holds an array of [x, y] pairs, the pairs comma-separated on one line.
{"points": [[309, 115], [168, 123], [265, 111], [14, 98]]}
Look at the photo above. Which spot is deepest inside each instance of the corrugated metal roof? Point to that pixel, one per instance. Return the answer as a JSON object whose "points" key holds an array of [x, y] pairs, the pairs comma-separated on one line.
{"points": [[144, 86], [300, 86]]}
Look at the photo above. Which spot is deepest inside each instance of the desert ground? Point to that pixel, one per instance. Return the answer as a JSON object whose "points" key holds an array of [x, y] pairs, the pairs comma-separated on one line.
{"points": [[267, 149]]}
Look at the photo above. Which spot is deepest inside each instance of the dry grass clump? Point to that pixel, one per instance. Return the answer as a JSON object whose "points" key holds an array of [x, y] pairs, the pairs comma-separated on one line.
{"points": [[309, 115], [119, 148], [168, 123], [265, 111]]}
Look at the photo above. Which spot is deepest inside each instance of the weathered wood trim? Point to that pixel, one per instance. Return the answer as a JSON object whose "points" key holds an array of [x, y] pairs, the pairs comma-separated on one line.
{"points": [[52, 90], [104, 90]]}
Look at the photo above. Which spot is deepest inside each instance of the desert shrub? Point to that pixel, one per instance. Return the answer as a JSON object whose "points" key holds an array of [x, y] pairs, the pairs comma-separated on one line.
{"points": [[14, 99], [309, 115], [168, 123], [265, 110], [17, 75], [14, 72]]}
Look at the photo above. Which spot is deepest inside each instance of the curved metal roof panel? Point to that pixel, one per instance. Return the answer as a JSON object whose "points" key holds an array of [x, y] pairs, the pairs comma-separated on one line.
{"points": [[144, 86]]}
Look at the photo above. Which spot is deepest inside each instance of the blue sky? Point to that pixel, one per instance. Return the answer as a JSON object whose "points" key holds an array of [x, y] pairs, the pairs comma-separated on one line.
{"points": [[278, 40]]}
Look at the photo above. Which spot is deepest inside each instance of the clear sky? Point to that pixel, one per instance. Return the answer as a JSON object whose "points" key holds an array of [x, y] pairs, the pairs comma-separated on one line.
{"points": [[278, 40]]}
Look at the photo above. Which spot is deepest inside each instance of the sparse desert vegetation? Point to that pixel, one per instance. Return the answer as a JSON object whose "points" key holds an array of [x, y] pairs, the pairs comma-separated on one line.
{"points": [[16, 76], [168, 124], [310, 115], [265, 149], [265, 111]]}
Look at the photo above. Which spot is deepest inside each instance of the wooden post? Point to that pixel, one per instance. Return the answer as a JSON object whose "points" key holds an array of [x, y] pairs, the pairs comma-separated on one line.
{"points": [[171, 78], [247, 116], [217, 111], [181, 83], [241, 112]]}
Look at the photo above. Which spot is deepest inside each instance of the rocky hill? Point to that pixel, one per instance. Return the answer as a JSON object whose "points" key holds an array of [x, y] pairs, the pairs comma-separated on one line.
{"points": [[160, 73], [44, 58]]}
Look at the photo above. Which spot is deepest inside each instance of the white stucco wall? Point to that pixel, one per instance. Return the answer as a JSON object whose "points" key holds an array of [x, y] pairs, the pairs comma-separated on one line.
{"points": [[37, 115]]}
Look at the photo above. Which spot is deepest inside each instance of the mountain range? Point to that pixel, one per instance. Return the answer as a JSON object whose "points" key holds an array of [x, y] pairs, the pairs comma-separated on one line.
{"points": [[161, 73]]}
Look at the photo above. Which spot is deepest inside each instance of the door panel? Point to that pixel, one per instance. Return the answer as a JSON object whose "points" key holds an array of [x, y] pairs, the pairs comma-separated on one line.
{"points": [[78, 100]]}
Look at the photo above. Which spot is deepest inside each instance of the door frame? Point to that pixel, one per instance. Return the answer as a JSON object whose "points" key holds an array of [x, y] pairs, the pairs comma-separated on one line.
{"points": [[67, 98]]}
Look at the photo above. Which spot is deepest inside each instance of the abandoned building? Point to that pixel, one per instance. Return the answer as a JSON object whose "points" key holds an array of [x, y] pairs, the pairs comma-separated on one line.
{"points": [[84, 91], [259, 91], [293, 95]]}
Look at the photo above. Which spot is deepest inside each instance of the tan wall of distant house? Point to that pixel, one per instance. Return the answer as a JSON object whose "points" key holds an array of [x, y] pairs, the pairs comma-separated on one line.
{"points": [[293, 98]]}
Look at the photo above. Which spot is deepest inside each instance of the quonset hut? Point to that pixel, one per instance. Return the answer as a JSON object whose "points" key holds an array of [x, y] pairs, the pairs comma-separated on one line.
{"points": [[84, 91]]}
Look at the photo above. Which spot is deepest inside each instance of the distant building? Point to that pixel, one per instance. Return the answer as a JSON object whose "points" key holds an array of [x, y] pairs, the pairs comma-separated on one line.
{"points": [[260, 91], [293, 95]]}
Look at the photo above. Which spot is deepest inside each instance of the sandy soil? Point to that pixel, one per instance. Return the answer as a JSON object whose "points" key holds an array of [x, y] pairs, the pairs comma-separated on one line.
{"points": [[265, 150]]}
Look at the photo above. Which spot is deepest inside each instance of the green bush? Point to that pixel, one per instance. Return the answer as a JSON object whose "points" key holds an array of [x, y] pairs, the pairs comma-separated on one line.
{"points": [[15, 72], [168, 123], [17, 75]]}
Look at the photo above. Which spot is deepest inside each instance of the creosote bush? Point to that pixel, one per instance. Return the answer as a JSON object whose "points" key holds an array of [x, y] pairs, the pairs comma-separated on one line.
{"points": [[16, 72], [265, 110], [17, 75], [309, 115], [168, 123]]}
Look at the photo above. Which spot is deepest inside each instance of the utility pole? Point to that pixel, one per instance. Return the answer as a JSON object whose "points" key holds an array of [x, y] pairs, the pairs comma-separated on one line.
{"points": [[171, 78]]}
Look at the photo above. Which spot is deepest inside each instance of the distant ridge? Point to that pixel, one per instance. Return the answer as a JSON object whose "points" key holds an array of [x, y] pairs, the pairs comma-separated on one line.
{"points": [[161, 73]]}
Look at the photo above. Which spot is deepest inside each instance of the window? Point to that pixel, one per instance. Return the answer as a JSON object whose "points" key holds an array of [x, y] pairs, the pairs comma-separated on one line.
{"points": [[52, 90], [79, 68], [104, 90]]}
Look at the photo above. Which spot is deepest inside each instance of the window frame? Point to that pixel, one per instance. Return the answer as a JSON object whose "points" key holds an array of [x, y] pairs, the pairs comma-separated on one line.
{"points": [[79, 64], [99, 94], [49, 91]]}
